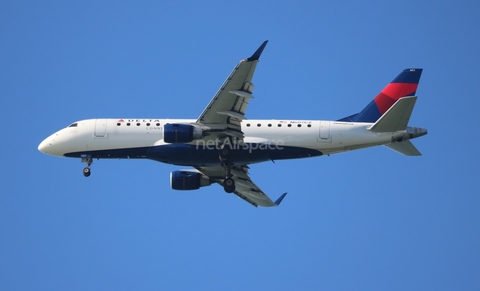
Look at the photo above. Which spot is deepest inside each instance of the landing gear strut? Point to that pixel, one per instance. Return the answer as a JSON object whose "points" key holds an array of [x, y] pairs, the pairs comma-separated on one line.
{"points": [[86, 170], [224, 155], [228, 182]]}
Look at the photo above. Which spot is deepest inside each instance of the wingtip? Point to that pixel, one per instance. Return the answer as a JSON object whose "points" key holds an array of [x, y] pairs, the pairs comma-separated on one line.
{"points": [[258, 52], [279, 200]]}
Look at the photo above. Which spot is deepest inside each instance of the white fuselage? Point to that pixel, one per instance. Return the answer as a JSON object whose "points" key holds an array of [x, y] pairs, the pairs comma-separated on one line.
{"points": [[264, 140]]}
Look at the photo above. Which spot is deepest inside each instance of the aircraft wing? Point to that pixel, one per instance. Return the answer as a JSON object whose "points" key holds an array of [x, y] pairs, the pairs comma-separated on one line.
{"points": [[245, 188], [226, 110]]}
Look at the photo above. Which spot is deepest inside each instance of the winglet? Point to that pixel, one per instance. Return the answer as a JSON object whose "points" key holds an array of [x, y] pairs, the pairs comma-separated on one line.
{"points": [[257, 53], [279, 200]]}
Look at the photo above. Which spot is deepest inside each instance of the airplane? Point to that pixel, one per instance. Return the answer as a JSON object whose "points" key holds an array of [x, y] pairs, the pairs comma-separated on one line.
{"points": [[221, 143]]}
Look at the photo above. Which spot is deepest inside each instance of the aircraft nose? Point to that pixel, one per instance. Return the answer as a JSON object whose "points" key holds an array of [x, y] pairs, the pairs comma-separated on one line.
{"points": [[51, 145], [45, 144], [57, 144]]}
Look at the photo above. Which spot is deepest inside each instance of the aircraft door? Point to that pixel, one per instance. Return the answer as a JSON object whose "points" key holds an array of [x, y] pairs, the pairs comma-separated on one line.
{"points": [[100, 128], [324, 134]]}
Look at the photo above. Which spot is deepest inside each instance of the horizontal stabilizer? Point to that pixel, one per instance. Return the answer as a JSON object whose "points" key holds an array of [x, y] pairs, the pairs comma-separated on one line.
{"points": [[405, 147], [397, 117]]}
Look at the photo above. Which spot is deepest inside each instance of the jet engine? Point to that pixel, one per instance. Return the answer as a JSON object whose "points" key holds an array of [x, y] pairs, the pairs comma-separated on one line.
{"points": [[180, 133], [188, 180]]}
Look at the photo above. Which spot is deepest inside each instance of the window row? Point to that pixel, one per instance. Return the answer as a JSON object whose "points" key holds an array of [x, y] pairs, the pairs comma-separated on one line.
{"points": [[248, 124], [280, 125]]}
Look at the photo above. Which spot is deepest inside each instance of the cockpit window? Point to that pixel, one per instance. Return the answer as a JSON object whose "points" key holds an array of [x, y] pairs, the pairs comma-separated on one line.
{"points": [[73, 125]]}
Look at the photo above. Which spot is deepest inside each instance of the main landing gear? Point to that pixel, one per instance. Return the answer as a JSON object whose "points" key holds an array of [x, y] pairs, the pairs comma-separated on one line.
{"points": [[229, 185], [86, 170], [224, 155]]}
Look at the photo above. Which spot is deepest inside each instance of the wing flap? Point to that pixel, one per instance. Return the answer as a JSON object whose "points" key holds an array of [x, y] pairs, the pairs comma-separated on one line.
{"points": [[233, 114]]}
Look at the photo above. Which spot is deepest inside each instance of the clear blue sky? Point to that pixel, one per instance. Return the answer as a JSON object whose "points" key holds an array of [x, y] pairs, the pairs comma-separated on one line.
{"points": [[365, 220]]}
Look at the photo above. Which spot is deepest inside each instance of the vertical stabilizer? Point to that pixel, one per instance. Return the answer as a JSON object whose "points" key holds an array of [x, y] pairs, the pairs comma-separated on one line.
{"points": [[403, 85]]}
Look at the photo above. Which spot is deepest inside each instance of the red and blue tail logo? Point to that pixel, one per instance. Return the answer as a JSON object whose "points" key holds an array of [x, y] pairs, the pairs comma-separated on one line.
{"points": [[403, 85]]}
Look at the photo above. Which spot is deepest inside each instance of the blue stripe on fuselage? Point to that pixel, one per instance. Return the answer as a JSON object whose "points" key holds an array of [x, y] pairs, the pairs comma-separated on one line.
{"points": [[191, 155]]}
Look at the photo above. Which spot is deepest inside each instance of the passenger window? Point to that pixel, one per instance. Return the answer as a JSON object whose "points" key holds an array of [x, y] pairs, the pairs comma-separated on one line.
{"points": [[309, 125], [299, 125], [279, 125], [269, 125], [289, 125], [158, 124], [248, 124], [148, 124], [138, 124], [128, 123], [259, 125], [118, 124]]}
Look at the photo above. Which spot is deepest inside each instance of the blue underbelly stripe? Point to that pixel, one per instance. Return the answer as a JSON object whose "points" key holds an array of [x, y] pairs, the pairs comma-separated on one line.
{"points": [[190, 155]]}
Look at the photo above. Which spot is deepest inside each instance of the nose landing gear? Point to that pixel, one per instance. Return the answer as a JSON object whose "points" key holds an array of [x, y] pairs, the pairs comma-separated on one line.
{"points": [[86, 170]]}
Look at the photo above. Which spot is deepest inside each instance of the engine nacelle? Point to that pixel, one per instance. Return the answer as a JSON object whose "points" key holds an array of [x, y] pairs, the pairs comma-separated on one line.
{"points": [[180, 133], [188, 180]]}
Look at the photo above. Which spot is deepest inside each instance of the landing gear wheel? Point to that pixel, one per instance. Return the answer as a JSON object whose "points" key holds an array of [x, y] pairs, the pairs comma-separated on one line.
{"points": [[229, 185], [86, 172], [225, 154]]}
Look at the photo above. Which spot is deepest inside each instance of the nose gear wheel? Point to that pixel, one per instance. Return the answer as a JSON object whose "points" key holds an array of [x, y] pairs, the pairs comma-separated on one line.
{"points": [[86, 170]]}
